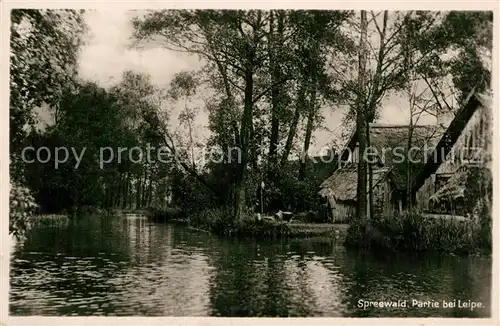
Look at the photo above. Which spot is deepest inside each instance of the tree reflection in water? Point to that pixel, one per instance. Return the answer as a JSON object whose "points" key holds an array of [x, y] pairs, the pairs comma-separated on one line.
{"points": [[112, 266]]}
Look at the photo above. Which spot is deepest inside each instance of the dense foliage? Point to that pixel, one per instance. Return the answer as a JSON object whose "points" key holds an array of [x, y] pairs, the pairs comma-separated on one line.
{"points": [[44, 48], [22, 205]]}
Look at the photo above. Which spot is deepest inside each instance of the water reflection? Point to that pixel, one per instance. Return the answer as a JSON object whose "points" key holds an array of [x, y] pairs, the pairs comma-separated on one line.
{"points": [[128, 266]]}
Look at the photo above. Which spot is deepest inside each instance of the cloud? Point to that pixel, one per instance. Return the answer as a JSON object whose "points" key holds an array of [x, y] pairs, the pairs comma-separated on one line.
{"points": [[107, 55]]}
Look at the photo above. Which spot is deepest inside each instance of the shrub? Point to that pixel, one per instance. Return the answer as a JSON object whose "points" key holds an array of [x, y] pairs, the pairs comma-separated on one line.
{"points": [[22, 207], [212, 219], [284, 189], [49, 220]]}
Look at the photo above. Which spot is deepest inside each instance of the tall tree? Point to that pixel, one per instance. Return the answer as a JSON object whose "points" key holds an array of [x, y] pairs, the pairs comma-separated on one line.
{"points": [[361, 122], [323, 40], [183, 87], [275, 50], [231, 44]]}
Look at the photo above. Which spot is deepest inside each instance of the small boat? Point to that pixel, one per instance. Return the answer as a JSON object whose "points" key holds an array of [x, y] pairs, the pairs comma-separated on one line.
{"points": [[284, 216]]}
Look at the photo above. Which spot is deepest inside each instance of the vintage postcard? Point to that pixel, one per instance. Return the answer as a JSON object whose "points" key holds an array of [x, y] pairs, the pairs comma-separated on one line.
{"points": [[249, 163]]}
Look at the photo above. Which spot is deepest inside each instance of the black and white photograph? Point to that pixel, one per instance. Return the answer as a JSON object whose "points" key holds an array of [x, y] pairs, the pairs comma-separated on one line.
{"points": [[257, 162]]}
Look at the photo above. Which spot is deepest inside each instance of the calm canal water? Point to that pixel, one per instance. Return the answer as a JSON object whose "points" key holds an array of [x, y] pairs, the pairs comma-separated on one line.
{"points": [[128, 266]]}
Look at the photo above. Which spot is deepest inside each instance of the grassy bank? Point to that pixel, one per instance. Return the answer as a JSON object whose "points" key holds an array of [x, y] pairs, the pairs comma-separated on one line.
{"points": [[418, 233], [220, 221]]}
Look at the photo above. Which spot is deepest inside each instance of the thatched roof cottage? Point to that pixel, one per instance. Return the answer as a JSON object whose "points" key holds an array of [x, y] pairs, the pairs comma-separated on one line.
{"points": [[457, 173], [391, 170]]}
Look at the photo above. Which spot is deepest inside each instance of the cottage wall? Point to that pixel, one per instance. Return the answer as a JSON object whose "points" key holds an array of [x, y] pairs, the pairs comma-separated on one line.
{"points": [[471, 147], [342, 211], [425, 192], [382, 198]]}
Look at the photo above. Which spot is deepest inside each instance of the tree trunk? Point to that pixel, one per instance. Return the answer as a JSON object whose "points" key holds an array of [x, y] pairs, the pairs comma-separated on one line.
{"points": [[253, 149], [144, 188], [408, 66], [361, 127], [409, 183], [122, 191], [112, 191], [275, 40], [295, 121], [191, 144], [118, 192], [125, 191], [106, 196], [150, 192], [311, 115], [245, 132], [130, 192], [109, 195], [370, 175], [138, 192]]}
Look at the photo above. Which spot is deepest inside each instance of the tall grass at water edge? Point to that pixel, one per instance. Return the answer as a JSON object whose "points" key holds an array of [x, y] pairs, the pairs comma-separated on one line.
{"points": [[414, 231]]}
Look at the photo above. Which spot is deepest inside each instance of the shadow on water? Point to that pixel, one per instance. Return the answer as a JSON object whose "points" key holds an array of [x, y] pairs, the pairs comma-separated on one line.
{"points": [[127, 266]]}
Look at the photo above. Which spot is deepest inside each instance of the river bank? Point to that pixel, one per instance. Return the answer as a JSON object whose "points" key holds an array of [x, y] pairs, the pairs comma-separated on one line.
{"points": [[408, 233], [411, 232], [219, 221], [337, 232]]}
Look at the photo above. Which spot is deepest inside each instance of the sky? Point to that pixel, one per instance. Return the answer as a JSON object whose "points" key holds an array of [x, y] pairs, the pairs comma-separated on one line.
{"points": [[107, 55]]}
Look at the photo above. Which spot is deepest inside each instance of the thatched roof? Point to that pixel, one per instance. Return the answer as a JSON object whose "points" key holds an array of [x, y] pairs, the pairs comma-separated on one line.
{"points": [[467, 182], [450, 136], [342, 184], [453, 189], [390, 144]]}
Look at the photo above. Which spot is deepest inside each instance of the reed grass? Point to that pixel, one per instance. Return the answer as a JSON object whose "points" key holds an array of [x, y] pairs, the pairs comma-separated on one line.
{"points": [[413, 231]]}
